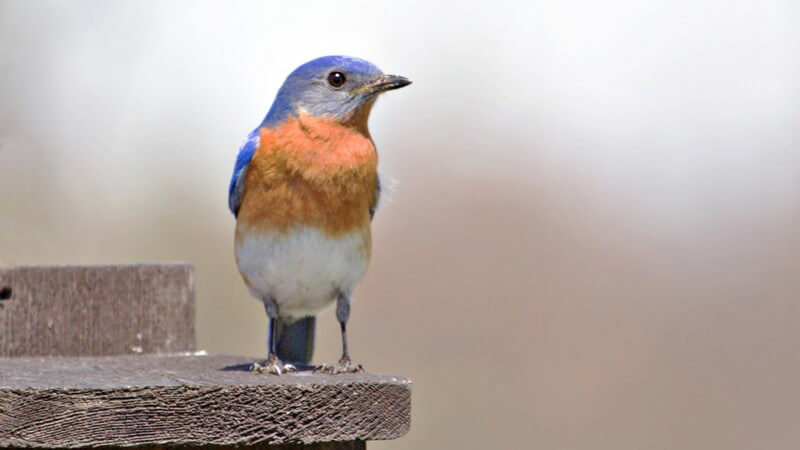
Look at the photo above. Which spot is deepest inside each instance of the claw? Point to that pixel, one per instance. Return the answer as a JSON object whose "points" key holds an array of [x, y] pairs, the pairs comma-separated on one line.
{"points": [[269, 369], [273, 366], [343, 366]]}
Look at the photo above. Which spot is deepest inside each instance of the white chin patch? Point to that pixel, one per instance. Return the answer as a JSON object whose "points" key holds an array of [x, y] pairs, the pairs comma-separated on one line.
{"points": [[302, 269]]}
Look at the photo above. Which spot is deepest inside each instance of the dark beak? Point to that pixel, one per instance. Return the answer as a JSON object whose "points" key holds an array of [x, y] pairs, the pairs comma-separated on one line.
{"points": [[387, 83]]}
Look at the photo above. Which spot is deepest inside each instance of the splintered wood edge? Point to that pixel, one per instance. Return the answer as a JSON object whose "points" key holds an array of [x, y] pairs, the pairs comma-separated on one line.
{"points": [[148, 400]]}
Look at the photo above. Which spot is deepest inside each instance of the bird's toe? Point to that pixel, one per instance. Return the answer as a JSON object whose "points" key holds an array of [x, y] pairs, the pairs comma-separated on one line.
{"points": [[343, 366], [272, 366]]}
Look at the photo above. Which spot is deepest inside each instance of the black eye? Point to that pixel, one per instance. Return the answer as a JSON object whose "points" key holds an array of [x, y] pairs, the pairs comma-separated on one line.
{"points": [[336, 79]]}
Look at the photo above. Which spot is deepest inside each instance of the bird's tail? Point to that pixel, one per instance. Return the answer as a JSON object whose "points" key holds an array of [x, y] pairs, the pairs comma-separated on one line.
{"points": [[295, 340]]}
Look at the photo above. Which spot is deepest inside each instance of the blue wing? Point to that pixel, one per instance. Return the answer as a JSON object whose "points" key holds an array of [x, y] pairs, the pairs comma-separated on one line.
{"points": [[236, 189]]}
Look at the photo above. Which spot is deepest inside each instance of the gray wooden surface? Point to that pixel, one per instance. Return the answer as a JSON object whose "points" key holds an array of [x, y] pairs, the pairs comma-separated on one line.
{"points": [[158, 400], [350, 445], [156, 392], [96, 310]]}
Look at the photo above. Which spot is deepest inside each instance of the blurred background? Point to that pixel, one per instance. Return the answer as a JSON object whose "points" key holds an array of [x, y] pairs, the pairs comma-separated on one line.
{"points": [[593, 235]]}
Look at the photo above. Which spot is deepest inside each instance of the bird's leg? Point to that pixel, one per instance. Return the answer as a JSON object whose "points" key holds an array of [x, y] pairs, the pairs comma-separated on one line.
{"points": [[273, 365], [345, 365]]}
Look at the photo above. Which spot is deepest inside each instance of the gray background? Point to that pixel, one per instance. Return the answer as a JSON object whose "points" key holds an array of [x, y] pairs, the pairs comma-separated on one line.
{"points": [[593, 235]]}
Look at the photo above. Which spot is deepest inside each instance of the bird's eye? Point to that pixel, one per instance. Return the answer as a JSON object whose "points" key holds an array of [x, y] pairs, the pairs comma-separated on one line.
{"points": [[336, 79]]}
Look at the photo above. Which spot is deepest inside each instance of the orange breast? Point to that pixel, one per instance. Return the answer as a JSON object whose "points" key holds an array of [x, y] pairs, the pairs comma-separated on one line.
{"points": [[310, 171]]}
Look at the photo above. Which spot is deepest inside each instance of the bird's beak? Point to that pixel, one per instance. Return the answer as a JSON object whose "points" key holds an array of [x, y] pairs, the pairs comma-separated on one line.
{"points": [[386, 83]]}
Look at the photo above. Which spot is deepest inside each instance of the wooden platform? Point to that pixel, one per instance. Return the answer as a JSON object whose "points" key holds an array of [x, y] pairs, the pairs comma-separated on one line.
{"points": [[190, 400], [146, 387]]}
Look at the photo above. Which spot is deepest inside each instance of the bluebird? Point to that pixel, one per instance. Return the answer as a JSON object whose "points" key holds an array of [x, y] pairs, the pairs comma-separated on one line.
{"points": [[304, 189]]}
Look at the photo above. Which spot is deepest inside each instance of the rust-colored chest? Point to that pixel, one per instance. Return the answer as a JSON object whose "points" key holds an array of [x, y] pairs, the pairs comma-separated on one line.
{"points": [[312, 172]]}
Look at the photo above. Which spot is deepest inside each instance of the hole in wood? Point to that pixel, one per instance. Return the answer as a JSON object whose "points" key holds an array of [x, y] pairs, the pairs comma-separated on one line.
{"points": [[5, 293]]}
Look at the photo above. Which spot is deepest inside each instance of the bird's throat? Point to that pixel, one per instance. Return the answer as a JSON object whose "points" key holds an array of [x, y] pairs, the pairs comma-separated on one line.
{"points": [[360, 118]]}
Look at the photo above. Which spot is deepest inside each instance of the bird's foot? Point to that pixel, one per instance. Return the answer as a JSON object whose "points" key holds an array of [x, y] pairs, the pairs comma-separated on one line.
{"points": [[272, 366], [343, 366]]}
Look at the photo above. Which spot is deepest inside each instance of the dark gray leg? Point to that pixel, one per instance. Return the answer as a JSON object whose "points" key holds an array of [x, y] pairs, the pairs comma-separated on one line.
{"points": [[271, 307], [345, 365], [342, 315], [273, 364]]}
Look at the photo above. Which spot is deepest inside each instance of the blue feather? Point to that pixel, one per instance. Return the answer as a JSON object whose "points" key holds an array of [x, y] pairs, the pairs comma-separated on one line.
{"points": [[246, 152]]}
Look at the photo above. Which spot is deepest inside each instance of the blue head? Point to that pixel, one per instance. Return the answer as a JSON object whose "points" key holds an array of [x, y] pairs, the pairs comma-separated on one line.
{"points": [[332, 86]]}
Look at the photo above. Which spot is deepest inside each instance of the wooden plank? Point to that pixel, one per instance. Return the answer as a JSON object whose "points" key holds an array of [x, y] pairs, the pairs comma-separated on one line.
{"points": [[187, 400], [96, 310], [351, 445], [348, 445]]}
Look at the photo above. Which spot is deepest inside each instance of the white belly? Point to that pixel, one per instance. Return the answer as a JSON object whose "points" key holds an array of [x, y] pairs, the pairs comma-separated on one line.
{"points": [[303, 269]]}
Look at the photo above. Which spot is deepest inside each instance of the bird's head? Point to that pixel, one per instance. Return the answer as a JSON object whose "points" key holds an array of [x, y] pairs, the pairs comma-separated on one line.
{"points": [[337, 87]]}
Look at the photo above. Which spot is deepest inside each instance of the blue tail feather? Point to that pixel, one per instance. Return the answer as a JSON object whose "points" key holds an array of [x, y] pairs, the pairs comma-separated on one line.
{"points": [[295, 340]]}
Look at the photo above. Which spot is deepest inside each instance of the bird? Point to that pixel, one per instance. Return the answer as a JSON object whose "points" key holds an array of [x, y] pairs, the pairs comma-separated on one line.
{"points": [[304, 190]]}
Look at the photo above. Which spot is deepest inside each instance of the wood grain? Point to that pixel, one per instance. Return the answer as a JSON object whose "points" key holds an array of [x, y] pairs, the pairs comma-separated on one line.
{"points": [[349, 445], [96, 310], [167, 400]]}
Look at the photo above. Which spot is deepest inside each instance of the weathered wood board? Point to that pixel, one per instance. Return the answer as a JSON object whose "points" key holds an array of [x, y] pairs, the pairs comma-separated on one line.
{"points": [[187, 400], [96, 310]]}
